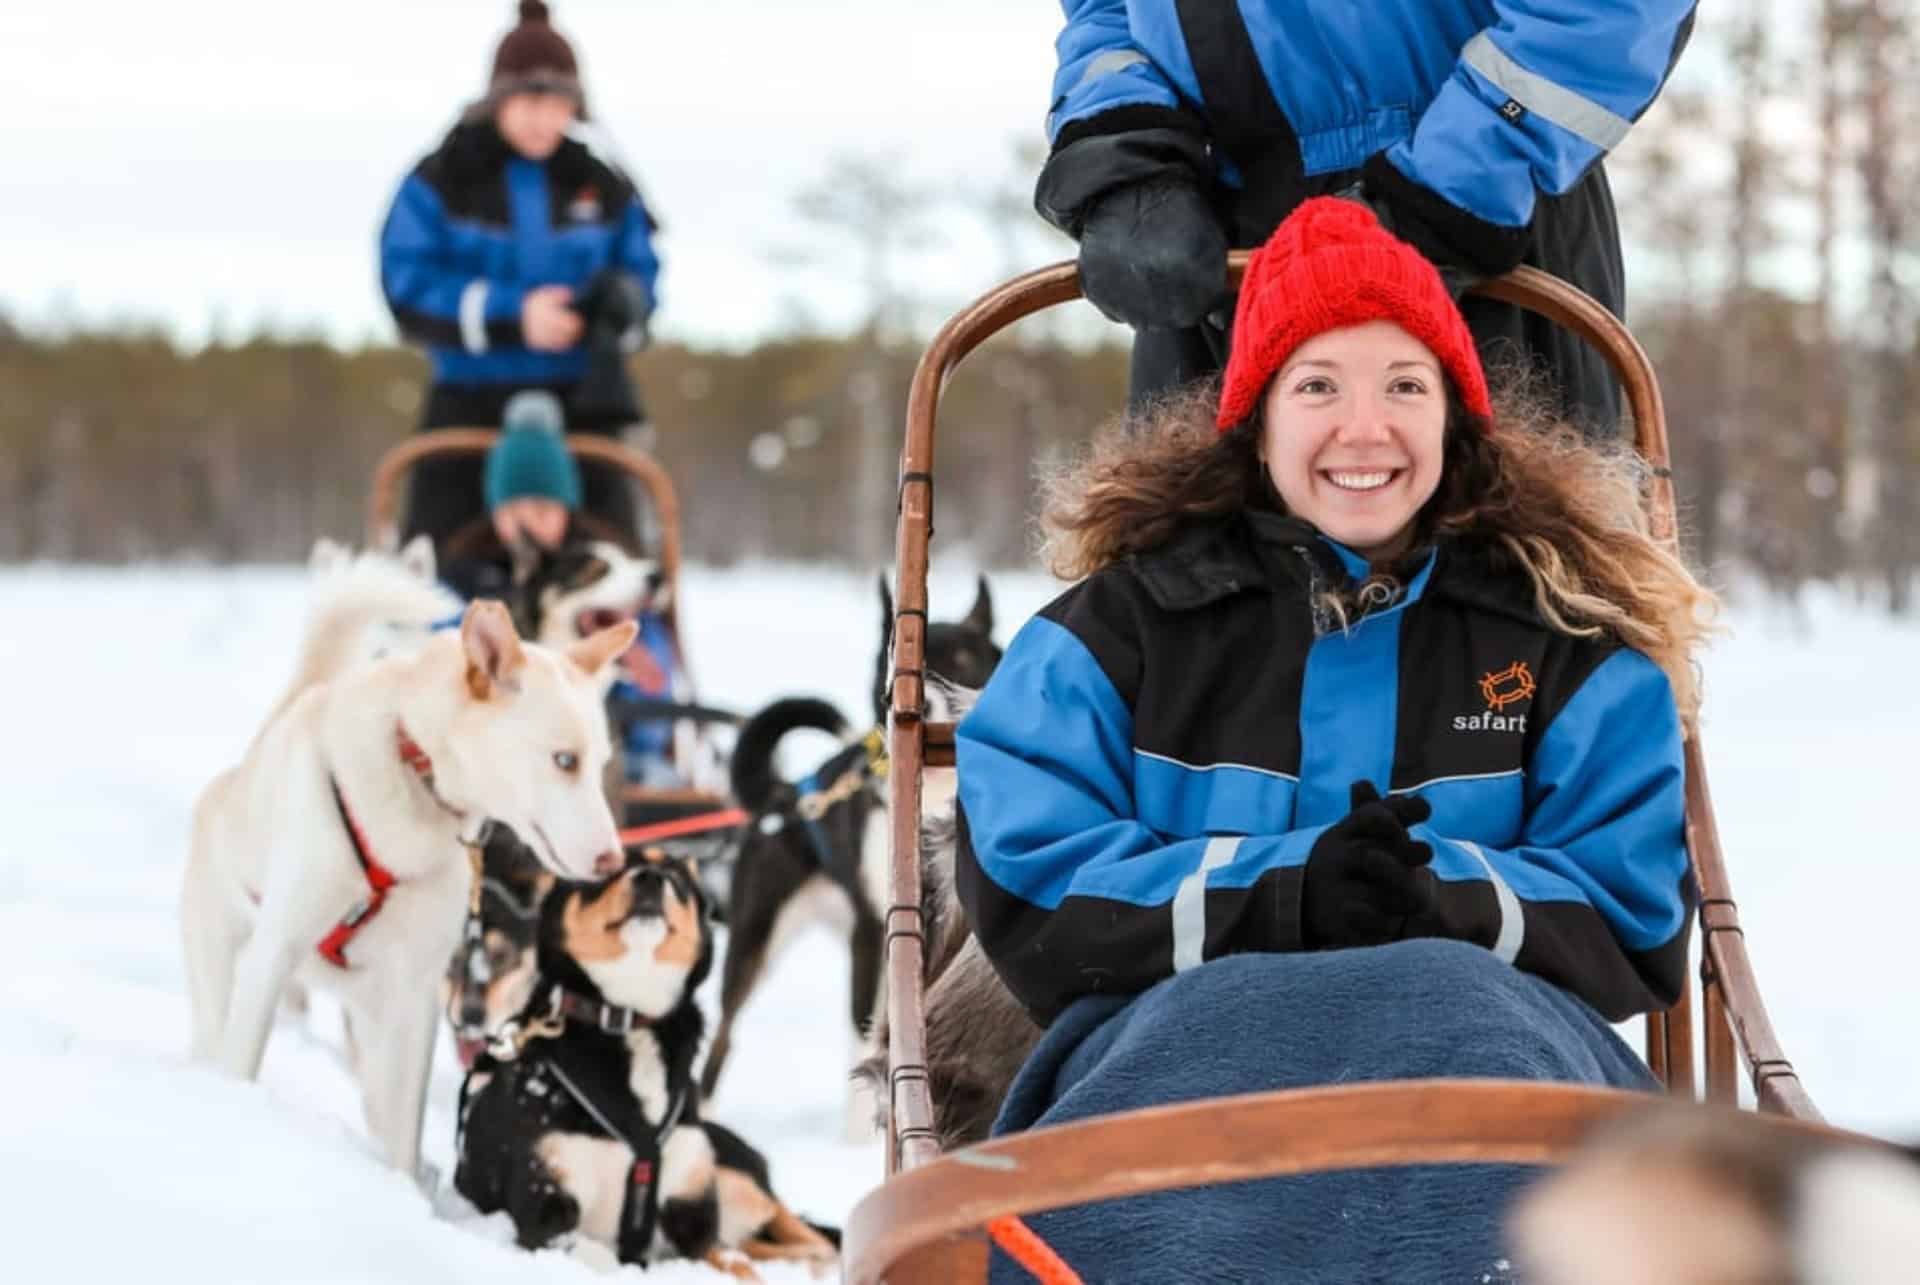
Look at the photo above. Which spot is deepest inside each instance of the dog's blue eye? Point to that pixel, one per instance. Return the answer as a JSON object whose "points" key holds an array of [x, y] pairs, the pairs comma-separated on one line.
{"points": [[566, 760]]}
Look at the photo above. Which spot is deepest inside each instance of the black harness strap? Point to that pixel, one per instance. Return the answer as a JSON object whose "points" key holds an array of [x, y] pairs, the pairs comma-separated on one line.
{"points": [[640, 1207], [640, 1210]]}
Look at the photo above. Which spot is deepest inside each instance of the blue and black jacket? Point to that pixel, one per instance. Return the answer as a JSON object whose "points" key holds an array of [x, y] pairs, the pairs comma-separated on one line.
{"points": [[1149, 767], [475, 226], [1475, 106]]}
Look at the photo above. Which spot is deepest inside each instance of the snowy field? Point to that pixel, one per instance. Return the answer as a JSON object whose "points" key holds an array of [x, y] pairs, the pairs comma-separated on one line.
{"points": [[125, 690]]}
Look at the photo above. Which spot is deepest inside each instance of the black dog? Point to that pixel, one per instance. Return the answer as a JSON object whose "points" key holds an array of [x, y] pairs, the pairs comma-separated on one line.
{"points": [[819, 846], [583, 1121]]}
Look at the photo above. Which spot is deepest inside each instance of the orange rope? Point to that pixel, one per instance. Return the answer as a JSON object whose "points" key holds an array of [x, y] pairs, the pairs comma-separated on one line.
{"points": [[1032, 1253], [632, 836]]}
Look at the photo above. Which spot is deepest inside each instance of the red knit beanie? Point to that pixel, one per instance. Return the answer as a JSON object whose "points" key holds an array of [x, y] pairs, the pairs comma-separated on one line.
{"points": [[1330, 264], [533, 56]]}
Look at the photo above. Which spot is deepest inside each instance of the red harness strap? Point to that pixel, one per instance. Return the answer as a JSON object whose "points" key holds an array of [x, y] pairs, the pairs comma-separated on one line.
{"points": [[379, 879]]}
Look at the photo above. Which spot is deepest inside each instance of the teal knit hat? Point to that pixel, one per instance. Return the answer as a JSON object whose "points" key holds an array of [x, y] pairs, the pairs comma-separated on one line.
{"points": [[531, 458]]}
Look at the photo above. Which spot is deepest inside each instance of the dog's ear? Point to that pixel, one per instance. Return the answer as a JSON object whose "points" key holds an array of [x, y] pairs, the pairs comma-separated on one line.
{"points": [[594, 652], [494, 654], [882, 688], [417, 558], [980, 618]]}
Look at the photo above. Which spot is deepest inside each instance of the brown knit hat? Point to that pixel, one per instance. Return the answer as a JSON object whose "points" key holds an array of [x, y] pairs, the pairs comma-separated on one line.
{"points": [[534, 57]]}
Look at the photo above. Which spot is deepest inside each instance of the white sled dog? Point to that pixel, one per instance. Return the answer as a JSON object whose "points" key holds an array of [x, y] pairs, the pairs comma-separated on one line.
{"points": [[333, 852]]}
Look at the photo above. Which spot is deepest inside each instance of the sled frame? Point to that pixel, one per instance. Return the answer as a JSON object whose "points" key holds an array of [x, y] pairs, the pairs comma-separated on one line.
{"points": [[924, 1223]]}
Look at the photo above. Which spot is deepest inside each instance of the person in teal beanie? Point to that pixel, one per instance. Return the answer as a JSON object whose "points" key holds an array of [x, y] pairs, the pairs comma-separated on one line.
{"points": [[532, 488]]}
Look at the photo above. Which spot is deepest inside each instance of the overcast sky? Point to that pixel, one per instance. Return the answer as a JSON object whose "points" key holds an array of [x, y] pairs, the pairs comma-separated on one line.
{"points": [[214, 164], [211, 162]]}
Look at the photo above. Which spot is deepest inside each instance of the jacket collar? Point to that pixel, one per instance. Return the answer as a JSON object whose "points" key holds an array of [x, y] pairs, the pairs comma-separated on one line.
{"points": [[474, 150], [1259, 551]]}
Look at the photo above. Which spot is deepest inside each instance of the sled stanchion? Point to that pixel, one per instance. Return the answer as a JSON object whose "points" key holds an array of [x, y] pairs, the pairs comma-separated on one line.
{"points": [[1657, 1048], [1678, 1024], [912, 1140], [1724, 946]]}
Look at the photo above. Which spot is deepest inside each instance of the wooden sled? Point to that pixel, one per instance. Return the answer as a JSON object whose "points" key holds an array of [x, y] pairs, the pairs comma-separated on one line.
{"points": [[926, 1222]]}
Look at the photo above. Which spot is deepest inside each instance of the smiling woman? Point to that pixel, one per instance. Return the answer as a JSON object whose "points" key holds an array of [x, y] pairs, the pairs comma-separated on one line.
{"points": [[1362, 760]]}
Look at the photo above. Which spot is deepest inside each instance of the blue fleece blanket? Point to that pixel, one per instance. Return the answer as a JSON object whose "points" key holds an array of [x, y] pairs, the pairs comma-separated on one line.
{"points": [[1254, 1022]]}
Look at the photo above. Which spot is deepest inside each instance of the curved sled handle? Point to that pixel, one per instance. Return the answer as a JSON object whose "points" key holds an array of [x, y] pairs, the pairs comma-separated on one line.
{"points": [[383, 493]]}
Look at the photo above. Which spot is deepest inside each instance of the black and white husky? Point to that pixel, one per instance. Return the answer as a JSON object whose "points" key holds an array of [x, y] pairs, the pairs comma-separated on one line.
{"points": [[816, 850]]}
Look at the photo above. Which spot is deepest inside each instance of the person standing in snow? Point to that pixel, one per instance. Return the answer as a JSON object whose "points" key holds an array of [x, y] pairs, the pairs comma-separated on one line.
{"points": [[520, 259], [1475, 129]]}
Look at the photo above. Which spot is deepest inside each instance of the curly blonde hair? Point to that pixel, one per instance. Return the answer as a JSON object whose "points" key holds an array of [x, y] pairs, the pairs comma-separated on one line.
{"points": [[1527, 487]]}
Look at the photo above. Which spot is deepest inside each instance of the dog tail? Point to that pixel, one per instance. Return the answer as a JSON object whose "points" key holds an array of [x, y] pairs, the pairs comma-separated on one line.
{"points": [[755, 783]]}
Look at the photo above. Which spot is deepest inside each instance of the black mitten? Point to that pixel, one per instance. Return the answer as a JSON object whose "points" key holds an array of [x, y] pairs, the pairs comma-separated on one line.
{"points": [[616, 303], [1153, 255], [1366, 876]]}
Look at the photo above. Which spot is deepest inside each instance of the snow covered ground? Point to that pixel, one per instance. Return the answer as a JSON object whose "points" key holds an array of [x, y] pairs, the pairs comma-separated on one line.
{"points": [[125, 690]]}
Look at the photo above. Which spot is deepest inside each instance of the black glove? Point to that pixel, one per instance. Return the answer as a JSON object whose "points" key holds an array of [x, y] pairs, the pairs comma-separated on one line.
{"points": [[614, 305], [1153, 255], [1366, 876], [1466, 248]]}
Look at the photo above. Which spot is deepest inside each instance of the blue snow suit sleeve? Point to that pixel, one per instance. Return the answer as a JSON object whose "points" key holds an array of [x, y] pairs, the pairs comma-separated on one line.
{"points": [[1069, 893], [432, 302], [634, 252], [1595, 895], [1533, 103], [1100, 68], [1118, 111]]}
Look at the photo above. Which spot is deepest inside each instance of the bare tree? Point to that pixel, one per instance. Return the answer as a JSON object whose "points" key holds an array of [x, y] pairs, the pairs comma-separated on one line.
{"points": [[1888, 175], [870, 206]]}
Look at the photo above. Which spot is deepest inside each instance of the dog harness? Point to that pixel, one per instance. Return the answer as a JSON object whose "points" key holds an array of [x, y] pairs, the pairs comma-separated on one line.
{"points": [[816, 799], [333, 946], [590, 1084], [380, 880]]}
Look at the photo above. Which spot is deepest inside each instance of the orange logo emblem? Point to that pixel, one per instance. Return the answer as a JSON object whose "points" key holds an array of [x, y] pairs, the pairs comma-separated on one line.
{"points": [[1508, 686]]}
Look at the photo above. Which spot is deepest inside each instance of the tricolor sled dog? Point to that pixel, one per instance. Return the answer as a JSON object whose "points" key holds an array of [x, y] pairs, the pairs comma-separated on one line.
{"points": [[333, 853]]}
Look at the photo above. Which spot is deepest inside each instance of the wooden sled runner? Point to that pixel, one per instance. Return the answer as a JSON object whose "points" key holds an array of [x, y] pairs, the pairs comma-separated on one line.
{"points": [[927, 1221]]}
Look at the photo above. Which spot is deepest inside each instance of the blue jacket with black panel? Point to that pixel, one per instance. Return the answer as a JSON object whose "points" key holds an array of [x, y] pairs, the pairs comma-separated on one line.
{"points": [[1149, 767], [1480, 125], [476, 226], [1483, 103]]}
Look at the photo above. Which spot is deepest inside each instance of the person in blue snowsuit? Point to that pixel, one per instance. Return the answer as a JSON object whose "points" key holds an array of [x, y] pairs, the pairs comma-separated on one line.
{"points": [[1475, 128], [1355, 753], [519, 258]]}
